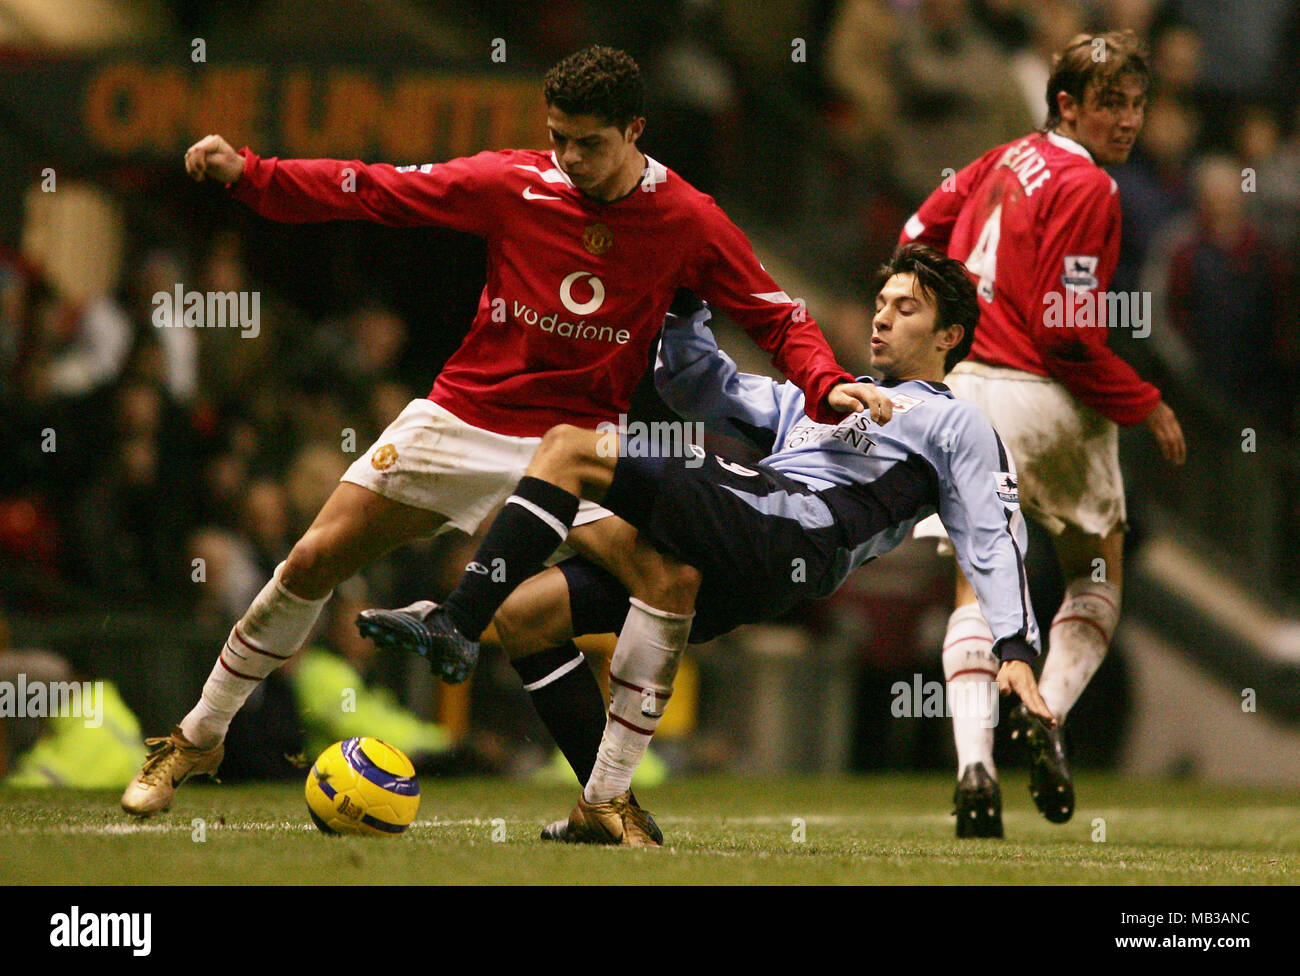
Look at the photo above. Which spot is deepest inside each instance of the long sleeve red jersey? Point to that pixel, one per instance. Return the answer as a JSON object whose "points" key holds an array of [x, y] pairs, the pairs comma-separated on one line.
{"points": [[1038, 223], [576, 289]]}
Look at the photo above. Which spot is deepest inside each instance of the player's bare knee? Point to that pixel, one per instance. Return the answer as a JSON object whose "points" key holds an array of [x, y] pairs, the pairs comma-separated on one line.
{"points": [[511, 634], [307, 570], [687, 580], [578, 460], [557, 454], [668, 584], [515, 631], [563, 442], [534, 617]]}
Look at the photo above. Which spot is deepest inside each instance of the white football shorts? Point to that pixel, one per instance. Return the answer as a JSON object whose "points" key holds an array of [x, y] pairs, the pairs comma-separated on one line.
{"points": [[1066, 454], [429, 458]]}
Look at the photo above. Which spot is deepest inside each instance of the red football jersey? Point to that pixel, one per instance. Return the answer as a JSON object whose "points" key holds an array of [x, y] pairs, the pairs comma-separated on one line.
{"points": [[576, 289], [1038, 223]]}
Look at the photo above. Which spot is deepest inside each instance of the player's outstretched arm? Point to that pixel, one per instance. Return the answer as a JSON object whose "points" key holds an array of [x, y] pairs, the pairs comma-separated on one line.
{"points": [[456, 194], [979, 506], [213, 158]]}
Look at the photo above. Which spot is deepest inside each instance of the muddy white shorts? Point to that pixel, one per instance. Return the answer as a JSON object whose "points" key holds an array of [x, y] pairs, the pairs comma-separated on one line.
{"points": [[1066, 454], [429, 458]]}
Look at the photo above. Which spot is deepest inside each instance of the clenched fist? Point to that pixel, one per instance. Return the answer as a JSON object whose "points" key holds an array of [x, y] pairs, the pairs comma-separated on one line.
{"points": [[212, 157]]}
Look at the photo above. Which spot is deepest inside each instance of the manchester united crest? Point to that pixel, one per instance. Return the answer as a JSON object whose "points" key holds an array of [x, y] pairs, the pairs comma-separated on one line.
{"points": [[384, 457], [597, 239]]}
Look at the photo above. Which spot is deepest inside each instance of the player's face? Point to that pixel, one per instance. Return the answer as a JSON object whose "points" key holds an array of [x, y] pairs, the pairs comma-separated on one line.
{"points": [[599, 158], [1108, 122], [904, 343]]}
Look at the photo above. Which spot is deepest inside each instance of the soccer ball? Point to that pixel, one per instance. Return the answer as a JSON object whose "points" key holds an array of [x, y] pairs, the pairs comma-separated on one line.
{"points": [[362, 786]]}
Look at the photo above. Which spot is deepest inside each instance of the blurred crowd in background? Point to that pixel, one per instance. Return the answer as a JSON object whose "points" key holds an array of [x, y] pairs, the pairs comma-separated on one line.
{"points": [[169, 470], [1211, 193]]}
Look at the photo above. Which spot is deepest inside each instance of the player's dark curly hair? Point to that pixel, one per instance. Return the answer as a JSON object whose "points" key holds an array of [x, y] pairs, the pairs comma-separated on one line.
{"points": [[947, 283], [1097, 62], [599, 81]]}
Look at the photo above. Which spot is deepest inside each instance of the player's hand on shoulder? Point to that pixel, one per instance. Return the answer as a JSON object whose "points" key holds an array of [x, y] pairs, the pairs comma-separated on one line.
{"points": [[213, 158], [1168, 433], [856, 397]]}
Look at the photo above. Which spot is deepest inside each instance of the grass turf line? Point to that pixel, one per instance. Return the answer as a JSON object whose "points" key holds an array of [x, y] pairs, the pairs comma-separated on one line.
{"points": [[883, 829]]}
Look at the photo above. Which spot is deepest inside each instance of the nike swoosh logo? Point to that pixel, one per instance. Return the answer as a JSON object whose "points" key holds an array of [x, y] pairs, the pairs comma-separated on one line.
{"points": [[531, 194]]}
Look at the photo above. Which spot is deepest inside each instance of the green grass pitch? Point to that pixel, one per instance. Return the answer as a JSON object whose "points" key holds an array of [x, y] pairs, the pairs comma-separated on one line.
{"points": [[885, 829]]}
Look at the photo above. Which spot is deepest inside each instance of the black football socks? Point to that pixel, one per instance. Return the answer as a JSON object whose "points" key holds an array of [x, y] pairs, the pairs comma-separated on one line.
{"points": [[568, 700], [533, 523]]}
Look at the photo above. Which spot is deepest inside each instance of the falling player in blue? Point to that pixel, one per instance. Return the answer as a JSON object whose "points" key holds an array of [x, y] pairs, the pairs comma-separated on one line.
{"points": [[703, 544]]}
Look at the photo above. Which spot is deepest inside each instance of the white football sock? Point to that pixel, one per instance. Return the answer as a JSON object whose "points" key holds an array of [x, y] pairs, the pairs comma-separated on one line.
{"points": [[1081, 632], [640, 683], [269, 633], [971, 670]]}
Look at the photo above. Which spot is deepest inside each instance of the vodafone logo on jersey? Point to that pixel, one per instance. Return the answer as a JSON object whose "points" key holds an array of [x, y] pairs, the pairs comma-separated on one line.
{"points": [[582, 294], [596, 286]]}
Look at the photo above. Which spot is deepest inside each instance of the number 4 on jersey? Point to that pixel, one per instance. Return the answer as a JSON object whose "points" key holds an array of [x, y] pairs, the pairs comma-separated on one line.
{"points": [[983, 259]]}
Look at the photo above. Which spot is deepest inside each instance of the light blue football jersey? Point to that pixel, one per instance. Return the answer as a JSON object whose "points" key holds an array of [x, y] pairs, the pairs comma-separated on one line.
{"points": [[974, 477]]}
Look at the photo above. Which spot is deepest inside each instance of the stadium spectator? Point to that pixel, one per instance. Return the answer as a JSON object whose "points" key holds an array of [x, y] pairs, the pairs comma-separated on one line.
{"points": [[858, 66], [224, 575], [1176, 54], [157, 275], [234, 363], [265, 522], [1154, 183], [955, 94], [385, 402], [697, 101], [1135, 15], [1256, 137], [1051, 25], [352, 355], [221, 483], [1227, 293], [1243, 42], [125, 527], [1009, 22], [1275, 203], [128, 526], [84, 345]]}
